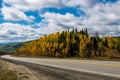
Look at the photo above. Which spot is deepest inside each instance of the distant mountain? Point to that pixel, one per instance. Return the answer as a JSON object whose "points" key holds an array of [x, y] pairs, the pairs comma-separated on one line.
{"points": [[117, 37], [4, 44], [10, 47]]}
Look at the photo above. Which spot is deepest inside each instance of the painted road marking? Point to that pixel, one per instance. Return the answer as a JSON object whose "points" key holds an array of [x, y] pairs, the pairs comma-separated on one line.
{"points": [[94, 63]]}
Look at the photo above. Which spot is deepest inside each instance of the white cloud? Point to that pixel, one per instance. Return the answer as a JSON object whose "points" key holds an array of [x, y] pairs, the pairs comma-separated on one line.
{"points": [[16, 33], [32, 4], [102, 14], [82, 3], [39, 4], [111, 30], [31, 17], [58, 22], [10, 13]]}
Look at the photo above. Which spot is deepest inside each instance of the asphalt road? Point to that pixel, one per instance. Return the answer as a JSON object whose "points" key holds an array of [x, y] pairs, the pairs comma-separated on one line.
{"points": [[105, 68]]}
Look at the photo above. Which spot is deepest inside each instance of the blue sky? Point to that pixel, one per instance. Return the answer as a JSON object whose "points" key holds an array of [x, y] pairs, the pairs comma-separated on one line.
{"points": [[24, 20]]}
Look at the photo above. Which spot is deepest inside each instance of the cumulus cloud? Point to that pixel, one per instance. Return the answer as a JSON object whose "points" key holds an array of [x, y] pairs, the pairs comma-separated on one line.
{"points": [[39, 4], [33, 4], [66, 21], [10, 32], [53, 22], [10, 13], [81, 3], [102, 14], [58, 22], [109, 30]]}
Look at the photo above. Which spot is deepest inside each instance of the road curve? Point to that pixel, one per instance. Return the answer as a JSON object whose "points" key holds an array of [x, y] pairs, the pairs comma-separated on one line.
{"points": [[106, 68]]}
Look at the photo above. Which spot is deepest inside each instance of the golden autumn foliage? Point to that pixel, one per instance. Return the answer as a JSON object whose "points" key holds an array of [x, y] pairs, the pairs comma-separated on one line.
{"points": [[70, 44]]}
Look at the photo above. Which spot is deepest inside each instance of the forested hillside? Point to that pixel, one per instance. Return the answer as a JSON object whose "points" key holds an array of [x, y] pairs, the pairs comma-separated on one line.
{"points": [[72, 44], [10, 48]]}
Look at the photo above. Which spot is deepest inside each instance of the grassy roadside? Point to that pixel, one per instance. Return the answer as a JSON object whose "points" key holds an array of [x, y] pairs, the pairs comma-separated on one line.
{"points": [[6, 74]]}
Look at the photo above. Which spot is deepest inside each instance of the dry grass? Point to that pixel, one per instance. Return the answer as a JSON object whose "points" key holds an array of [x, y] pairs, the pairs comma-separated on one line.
{"points": [[6, 74]]}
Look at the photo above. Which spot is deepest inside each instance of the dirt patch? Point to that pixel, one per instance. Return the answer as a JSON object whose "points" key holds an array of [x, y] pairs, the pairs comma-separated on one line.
{"points": [[18, 72]]}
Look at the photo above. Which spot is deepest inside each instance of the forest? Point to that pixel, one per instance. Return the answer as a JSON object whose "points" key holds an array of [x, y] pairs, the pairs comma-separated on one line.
{"points": [[72, 43]]}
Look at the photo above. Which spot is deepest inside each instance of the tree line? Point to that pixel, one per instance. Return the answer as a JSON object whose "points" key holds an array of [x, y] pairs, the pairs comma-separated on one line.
{"points": [[70, 44]]}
